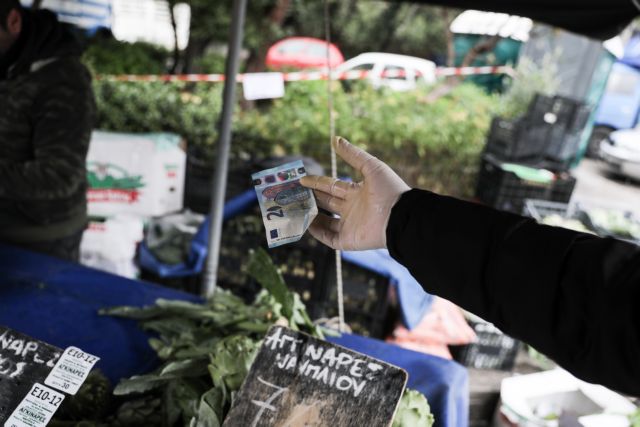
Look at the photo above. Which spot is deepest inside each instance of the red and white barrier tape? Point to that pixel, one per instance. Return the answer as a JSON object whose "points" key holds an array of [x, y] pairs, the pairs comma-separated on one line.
{"points": [[309, 75]]}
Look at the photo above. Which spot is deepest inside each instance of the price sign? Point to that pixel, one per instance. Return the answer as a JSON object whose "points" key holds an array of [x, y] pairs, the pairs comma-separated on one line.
{"points": [[300, 380], [37, 407], [23, 362], [71, 370]]}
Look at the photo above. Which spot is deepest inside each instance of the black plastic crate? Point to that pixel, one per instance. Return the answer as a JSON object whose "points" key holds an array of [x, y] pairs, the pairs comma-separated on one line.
{"points": [[367, 305], [491, 350], [563, 187], [199, 179], [504, 190], [302, 264], [545, 146], [558, 110], [308, 268], [548, 136]]}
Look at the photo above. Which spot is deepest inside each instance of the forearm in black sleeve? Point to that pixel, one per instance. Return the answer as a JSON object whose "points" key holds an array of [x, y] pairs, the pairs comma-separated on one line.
{"points": [[570, 295]]}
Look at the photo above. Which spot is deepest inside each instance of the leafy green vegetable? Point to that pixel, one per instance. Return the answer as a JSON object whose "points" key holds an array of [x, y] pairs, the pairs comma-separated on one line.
{"points": [[207, 350], [413, 410], [634, 418], [263, 270]]}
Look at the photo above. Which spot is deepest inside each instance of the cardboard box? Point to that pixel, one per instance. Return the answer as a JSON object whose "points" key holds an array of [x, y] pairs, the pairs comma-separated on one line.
{"points": [[141, 174], [555, 399], [111, 245]]}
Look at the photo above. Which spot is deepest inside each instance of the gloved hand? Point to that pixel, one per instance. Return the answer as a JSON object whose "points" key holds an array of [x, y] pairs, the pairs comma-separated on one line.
{"points": [[363, 208]]}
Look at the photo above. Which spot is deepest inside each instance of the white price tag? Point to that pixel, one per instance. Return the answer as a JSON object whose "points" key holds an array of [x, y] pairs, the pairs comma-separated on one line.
{"points": [[36, 409], [71, 370]]}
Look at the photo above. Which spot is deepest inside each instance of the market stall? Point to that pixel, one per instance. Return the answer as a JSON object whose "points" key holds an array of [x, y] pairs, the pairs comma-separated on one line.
{"points": [[58, 302]]}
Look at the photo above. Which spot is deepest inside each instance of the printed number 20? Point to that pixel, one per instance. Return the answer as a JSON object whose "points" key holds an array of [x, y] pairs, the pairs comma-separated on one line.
{"points": [[275, 211]]}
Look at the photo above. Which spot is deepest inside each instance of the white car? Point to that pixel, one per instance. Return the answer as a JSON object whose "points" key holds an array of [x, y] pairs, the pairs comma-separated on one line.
{"points": [[398, 72], [620, 152]]}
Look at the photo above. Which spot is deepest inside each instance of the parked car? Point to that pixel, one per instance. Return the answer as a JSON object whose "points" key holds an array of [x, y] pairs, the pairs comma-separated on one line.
{"points": [[620, 152], [302, 53], [398, 72]]}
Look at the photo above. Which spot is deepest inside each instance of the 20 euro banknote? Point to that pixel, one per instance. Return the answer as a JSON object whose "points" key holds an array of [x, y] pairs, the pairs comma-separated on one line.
{"points": [[287, 207]]}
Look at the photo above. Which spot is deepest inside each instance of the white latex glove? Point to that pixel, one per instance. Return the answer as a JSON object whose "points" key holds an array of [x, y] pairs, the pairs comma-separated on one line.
{"points": [[363, 208]]}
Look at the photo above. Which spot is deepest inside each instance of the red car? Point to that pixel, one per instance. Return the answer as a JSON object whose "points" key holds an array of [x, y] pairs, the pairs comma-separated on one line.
{"points": [[302, 52]]}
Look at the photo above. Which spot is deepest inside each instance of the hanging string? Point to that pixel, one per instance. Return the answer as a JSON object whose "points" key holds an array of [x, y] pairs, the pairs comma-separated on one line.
{"points": [[334, 161]]}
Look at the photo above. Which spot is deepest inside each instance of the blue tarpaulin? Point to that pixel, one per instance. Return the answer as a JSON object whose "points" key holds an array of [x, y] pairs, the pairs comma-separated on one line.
{"points": [[57, 302]]}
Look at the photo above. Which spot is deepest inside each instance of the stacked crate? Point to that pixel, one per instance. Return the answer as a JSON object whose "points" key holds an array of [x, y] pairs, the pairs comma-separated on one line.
{"points": [[547, 137]]}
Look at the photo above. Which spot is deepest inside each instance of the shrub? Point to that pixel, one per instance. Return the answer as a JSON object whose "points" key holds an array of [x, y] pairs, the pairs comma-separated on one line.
{"points": [[432, 145], [110, 56]]}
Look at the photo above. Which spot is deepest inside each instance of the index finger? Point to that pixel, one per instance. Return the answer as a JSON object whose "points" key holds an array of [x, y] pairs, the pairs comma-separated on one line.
{"points": [[356, 157], [326, 184]]}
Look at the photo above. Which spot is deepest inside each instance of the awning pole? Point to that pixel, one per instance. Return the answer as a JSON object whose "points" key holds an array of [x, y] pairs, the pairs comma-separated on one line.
{"points": [[223, 147]]}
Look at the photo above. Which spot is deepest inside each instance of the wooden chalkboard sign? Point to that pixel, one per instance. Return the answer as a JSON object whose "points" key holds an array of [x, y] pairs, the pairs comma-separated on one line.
{"points": [[23, 362], [297, 380]]}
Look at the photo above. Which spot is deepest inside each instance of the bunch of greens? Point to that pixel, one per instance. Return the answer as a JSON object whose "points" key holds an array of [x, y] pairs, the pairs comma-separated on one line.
{"points": [[413, 410], [206, 351]]}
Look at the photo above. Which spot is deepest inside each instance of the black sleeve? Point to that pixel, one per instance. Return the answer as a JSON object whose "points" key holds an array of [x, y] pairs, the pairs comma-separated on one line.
{"points": [[570, 295]]}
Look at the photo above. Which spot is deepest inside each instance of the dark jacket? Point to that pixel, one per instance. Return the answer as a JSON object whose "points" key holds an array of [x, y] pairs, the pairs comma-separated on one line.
{"points": [[572, 296], [47, 110]]}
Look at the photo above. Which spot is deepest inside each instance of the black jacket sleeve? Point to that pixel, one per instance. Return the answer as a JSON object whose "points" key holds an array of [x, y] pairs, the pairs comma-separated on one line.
{"points": [[572, 296]]}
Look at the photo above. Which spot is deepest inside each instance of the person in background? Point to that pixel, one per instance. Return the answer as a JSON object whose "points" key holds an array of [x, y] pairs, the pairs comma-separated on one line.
{"points": [[573, 296], [47, 110]]}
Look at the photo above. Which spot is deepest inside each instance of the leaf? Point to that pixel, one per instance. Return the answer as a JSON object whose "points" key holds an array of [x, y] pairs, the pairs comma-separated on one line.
{"points": [[132, 312], [210, 410], [185, 368], [413, 410], [138, 384], [262, 269]]}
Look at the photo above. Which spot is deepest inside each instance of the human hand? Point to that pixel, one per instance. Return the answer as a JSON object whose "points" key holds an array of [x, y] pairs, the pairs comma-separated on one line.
{"points": [[363, 207]]}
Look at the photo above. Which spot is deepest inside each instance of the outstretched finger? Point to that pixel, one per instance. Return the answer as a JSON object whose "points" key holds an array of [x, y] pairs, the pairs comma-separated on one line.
{"points": [[359, 159], [326, 184], [331, 203]]}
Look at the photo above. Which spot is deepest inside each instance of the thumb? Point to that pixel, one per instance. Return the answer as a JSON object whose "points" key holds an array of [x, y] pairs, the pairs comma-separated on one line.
{"points": [[354, 156]]}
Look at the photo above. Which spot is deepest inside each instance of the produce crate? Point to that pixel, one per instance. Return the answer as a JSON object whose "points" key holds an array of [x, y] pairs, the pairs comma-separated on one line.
{"points": [[563, 187], [199, 179], [559, 110], [491, 350], [308, 268], [548, 136], [504, 190], [302, 263], [539, 209], [366, 300]]}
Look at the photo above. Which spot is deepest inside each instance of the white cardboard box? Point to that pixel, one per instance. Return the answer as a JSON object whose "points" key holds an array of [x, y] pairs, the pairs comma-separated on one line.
{"points": [[111, 245], [141, 174]]}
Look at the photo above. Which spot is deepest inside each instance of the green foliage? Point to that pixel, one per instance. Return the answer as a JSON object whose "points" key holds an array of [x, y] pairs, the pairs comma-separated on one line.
{"points": [[189, 110], [208, 349], [109, 56], [634, 418], [433, 145], [413, 410], [210, 63], [264, 271]]}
